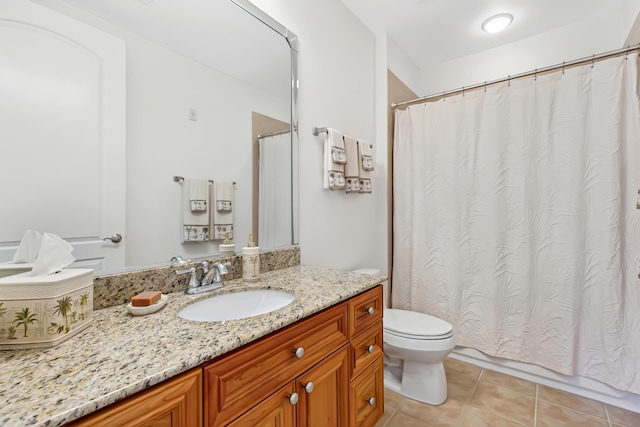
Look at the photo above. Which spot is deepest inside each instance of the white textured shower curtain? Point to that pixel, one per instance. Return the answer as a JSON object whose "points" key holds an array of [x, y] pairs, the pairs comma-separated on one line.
{"points": [[274, 204], [515, 219]]}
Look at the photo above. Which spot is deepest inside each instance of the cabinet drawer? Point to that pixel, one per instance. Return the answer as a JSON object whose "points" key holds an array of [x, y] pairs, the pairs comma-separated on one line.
{"points": [[365, 310], [365, 348], [238, 380], [367, 395]]}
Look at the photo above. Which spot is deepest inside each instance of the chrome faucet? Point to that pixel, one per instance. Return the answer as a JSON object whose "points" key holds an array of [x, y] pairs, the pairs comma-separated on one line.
{"points": [[211, 280]]}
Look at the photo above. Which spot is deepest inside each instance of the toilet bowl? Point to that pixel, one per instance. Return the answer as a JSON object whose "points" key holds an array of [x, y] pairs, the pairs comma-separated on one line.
{"points": [[415, 345]]}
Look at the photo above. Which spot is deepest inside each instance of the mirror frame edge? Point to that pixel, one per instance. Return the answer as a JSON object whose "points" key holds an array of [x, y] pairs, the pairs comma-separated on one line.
{"points": [[292, 40]]}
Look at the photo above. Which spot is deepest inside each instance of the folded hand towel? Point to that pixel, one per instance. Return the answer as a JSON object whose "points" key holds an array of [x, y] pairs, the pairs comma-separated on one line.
{"points": [[221, 218], [199, 195], [195, 224], [365, 175], [351, 170], [334, 170], [366, 156]]}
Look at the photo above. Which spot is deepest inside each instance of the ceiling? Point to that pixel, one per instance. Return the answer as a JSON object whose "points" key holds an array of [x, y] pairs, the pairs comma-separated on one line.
{"points": [[436, 31]]}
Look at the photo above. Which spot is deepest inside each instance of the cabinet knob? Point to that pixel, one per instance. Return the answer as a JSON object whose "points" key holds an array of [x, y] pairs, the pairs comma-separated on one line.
{"points": [[299, 352], [371, 401], [370, 348], [370, 310], [293, 398], [308, 387]]}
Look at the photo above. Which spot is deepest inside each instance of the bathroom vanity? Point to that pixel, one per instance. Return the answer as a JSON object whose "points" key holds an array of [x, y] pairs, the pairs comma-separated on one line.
{"points": [[321, 354]]}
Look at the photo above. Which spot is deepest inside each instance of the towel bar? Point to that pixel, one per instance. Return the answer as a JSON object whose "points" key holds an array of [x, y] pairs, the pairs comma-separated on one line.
{"points": [[317, 131], [177, 178]]}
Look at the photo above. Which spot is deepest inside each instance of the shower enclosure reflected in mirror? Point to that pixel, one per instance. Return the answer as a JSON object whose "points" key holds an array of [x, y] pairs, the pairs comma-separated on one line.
{"points": [[196, 73]]}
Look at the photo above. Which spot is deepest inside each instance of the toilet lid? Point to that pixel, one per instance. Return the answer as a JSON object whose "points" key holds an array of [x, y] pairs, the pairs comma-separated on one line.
{"points": [[413, 324]]}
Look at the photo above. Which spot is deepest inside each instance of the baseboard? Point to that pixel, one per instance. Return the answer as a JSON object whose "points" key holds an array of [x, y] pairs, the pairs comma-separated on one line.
{"points": [[581, 386]]}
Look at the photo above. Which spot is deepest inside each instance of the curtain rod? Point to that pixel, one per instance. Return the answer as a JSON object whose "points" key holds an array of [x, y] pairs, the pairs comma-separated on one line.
{"points": [[280, 132], [517, 76]]}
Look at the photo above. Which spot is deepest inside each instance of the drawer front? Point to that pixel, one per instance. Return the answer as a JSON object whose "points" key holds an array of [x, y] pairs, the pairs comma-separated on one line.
{"points": [[365, 348], [367, 396], [365, 310], [238, 380]]}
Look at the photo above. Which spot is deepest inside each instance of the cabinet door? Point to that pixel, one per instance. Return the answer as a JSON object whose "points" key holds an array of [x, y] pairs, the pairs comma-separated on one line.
{"points": [[324, 392], [173, 403], [367, 395], [276, 410]]}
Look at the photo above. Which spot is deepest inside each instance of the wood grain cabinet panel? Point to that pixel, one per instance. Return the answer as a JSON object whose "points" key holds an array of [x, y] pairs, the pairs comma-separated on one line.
{"points": [[324, 393], [365, 310], [275, 411], [365, 348], [176, 402], [235, 382], [367, 396]]}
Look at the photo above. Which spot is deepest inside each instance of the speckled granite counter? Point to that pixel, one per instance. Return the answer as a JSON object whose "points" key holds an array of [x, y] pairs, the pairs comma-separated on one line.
{"points": [[120, 354]]}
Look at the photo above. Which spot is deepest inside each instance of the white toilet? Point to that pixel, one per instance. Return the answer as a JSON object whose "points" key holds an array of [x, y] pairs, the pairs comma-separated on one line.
{"points": [[415, 344]]}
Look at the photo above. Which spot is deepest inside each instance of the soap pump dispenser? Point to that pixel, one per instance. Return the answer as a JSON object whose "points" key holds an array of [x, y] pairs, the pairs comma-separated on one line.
{"points": [[227, 248], [250, 261]]}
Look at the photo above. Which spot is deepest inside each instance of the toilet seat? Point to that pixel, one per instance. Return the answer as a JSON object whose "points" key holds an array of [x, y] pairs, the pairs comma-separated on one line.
{"points": [[416, 326]]}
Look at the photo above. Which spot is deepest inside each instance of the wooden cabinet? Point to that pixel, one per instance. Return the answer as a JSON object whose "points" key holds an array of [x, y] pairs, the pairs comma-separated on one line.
{"points": [[324, 371], [176, 402]]}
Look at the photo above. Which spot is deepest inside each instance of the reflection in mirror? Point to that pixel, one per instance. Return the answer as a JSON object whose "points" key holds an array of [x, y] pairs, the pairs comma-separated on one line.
{"points": [[197, 73]]}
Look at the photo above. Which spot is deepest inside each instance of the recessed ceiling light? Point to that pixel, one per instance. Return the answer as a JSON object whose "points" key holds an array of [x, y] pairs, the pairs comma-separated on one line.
{"points": [[497, 23]]}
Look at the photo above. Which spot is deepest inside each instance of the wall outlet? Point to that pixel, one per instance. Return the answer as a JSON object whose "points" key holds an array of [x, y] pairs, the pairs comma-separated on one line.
{"points": [[193, 115]]}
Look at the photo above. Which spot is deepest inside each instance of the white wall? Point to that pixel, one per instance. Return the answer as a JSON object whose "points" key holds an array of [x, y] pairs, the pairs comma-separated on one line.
{"points": [[337, 61], [162, 86], [582, 39], [403, 66]]}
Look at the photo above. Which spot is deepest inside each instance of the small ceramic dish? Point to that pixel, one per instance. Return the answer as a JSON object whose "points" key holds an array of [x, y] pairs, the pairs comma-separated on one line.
{"points": [[141, 311]]}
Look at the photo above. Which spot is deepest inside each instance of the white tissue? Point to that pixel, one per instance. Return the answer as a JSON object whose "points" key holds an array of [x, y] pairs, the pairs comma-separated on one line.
{"points": [[54, 255], [29, 246]]}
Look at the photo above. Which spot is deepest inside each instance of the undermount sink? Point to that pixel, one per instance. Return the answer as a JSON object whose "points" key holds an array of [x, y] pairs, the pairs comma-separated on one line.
{"points": [[237, 305]]}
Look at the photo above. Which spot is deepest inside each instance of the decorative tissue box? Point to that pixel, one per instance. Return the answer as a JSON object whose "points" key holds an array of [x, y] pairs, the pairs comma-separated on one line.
{"points": [[43, 311]]}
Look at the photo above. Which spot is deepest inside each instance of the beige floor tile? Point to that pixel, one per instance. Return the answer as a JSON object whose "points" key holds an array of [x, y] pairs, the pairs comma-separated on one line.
{"points": [[443, 415], [623, 417], [388, 412], [512, 383], [461, 368], [460, 387], [392, 398], [474, 417], [572, 401], [551, 415], [505, 402], [400, 419]]}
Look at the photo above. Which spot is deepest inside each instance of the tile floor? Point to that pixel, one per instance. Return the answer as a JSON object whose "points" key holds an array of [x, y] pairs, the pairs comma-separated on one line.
{"points": [[482, 398]]}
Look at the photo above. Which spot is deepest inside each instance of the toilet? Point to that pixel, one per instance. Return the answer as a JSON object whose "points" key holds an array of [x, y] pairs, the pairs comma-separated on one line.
{"points": [[415, 344]]}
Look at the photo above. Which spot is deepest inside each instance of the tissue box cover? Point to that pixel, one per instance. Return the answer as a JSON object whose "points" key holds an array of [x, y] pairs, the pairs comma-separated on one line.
{"points": [[9, 268], [43, 311]]}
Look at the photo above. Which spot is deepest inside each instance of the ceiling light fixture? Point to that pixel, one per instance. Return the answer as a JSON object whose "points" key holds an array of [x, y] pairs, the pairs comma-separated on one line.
{"points": [[497, 23]]}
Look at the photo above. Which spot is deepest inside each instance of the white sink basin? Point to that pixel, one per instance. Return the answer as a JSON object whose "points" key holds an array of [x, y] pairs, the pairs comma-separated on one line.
{"points": [[237, 305]]}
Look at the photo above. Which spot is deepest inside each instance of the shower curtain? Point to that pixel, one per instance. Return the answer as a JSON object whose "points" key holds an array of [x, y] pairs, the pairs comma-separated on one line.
{"points": [[515, 219], [274, 204]]}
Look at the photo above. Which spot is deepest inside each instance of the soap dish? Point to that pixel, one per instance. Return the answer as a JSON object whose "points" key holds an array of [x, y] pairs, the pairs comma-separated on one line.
{"points": [[141, 311]]}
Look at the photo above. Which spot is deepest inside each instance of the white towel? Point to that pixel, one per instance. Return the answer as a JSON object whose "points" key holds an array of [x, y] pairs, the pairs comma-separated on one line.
{"points": [[199, 195], [366, 156], [221, 220], [195, 224], [351, 169], [365, 175], [334, 150]]}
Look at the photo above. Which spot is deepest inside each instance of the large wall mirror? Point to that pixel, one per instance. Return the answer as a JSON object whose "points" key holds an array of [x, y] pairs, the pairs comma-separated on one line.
{"points": [[208, 82]]}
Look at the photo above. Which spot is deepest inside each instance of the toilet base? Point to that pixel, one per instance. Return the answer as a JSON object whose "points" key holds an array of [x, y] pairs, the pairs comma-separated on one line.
{"points": [[424, 382]]}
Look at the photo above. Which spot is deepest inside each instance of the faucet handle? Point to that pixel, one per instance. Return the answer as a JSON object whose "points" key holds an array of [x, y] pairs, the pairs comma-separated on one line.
{"points": [[193, 282], [205, 266]]}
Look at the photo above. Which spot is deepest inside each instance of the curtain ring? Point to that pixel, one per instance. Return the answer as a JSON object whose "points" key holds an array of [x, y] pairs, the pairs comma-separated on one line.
{"points": [[444, 96], [535, 75], [463, 91], [509, 81], [485, 86], [593, 60], [562, 67]]}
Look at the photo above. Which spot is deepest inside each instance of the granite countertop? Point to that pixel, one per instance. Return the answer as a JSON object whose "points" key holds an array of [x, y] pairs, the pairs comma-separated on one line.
{"points": [[120, 354]]}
